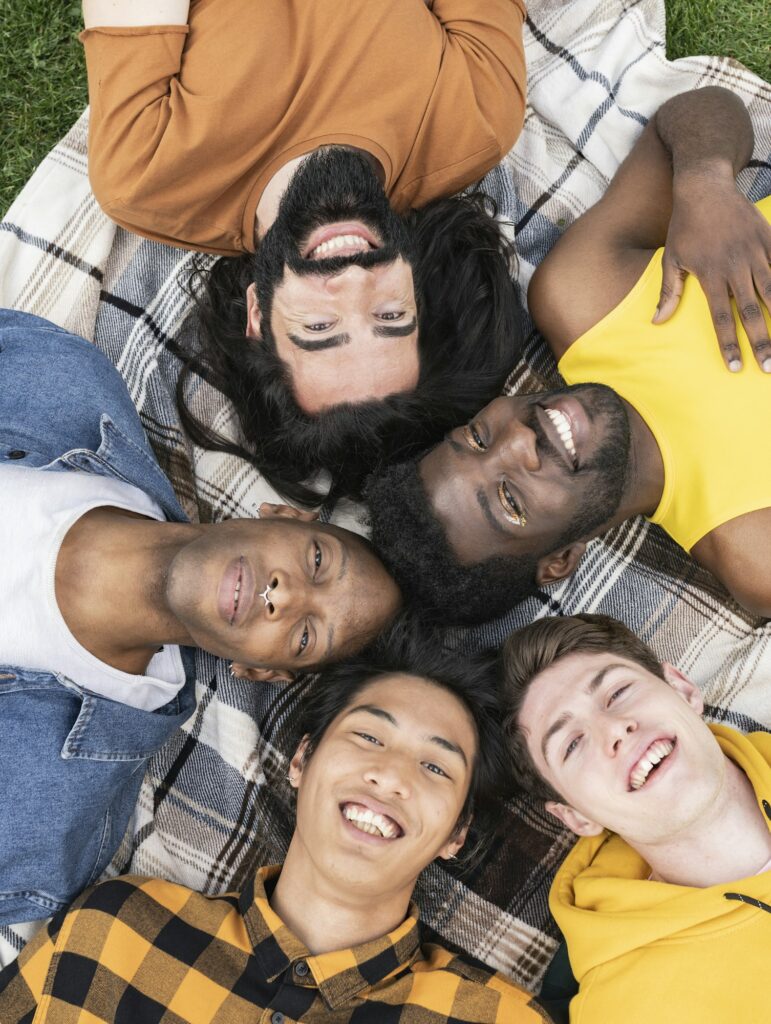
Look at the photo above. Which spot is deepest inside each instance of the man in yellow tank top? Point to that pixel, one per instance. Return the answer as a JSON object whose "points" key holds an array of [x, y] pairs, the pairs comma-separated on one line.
{"points": [[658, 420]]}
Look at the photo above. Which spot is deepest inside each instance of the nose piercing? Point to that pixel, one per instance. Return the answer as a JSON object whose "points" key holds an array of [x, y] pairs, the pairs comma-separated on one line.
{"points": [[264, 594]]}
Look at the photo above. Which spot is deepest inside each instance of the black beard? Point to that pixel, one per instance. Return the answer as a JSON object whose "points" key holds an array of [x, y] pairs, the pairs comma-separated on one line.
{"points": [[609, 466], [332, 184]]}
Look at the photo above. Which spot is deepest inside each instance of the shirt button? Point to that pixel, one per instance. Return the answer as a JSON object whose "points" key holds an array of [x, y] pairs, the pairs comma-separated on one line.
{"points": [[301, 969], [277, 1018], [17, 454]]}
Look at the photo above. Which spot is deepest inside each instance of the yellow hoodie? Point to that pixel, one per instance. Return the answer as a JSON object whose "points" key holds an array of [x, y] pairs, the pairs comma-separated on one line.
{"points": [[645, 951]]}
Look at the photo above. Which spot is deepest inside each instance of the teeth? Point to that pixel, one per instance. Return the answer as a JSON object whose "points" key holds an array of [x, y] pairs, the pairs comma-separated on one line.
{"points": [[340, 242], [655, 753], [562, 426], [371, 822]]}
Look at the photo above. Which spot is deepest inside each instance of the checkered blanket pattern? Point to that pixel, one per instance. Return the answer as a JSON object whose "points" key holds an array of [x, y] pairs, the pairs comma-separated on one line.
{"points": [[215, 803]]}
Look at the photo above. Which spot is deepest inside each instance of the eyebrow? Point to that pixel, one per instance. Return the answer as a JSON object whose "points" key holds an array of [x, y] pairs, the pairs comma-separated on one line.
{"points": [[440, 741], [336, 340], [594, 684]]}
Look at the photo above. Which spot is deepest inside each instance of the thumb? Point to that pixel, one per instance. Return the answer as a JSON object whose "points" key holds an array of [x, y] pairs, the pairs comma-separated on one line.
{"points": [[672, 281]]}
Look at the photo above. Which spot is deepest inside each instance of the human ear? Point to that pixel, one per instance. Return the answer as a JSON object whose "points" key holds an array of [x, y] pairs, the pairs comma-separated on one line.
{"points": [[454, 843], [270, 510], [260, 675], [573, 819], [683, 686], [297, 764], [559, 564], [253, 314]]}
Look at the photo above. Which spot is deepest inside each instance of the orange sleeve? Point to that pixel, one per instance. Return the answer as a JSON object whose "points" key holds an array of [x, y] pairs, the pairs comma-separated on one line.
{"points": [[489, 35], [142, 163], [477, 108]]}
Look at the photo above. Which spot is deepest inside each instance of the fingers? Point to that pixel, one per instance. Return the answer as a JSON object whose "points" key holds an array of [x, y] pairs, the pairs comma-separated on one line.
{"points": [[751, 315], [723, 321], [672, 280]]}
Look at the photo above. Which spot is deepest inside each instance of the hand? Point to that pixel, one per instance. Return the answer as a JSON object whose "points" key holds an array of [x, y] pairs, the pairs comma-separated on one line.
{"points": [[718, 235]]}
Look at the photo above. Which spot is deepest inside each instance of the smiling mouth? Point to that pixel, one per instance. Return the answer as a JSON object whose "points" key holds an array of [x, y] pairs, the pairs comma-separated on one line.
{"points": [[237, 589], [371, 822], [564, 430], [653, 757], [341, 245]]}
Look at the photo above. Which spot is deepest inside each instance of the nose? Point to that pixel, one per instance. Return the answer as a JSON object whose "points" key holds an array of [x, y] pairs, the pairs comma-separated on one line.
{"points": [[280, 596], [519, 447], [616, 731], [389, 775], [352, 279]]}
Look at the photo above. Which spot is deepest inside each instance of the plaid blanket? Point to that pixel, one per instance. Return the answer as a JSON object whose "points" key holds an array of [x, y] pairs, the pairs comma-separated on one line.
{"points": [[215, 803]]}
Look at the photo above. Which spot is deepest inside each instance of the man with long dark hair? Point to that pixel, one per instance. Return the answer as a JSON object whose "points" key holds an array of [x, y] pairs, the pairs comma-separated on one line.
{"points": [[370, 328]]}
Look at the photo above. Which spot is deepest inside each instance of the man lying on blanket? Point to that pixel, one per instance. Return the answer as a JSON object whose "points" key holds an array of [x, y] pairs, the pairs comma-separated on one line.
{"points": [[105, 586], [654, 424], [308, 132], [665, 900], [395, 761]]}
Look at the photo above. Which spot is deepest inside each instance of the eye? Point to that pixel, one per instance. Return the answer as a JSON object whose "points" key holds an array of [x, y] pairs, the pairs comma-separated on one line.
{"points": [[473, 438], [318, 558], [435, 769], [323, 325], [571, 747], [391, 316], [617, 693], [304, 639], [511, 507], [369, 739]]}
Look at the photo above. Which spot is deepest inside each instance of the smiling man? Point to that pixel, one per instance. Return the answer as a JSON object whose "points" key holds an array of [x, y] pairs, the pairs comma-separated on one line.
{"points": [[398, 762], [106, 586], [309, 133], [665, 900], [507, 502]]}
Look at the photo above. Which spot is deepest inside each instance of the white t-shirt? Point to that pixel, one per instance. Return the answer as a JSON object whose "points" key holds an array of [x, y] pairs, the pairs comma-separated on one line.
{"points": [[39, 508]]}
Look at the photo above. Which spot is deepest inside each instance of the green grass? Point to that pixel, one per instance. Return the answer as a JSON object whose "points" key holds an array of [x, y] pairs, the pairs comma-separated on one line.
{"points": [[43, 82]]}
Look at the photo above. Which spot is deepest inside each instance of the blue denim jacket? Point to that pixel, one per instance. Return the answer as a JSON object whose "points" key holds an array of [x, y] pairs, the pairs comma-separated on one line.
{"points": [[71, 762]]}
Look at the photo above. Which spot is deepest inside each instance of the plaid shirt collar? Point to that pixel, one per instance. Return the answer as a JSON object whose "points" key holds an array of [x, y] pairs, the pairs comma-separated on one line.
{"points": [[338, 975]]}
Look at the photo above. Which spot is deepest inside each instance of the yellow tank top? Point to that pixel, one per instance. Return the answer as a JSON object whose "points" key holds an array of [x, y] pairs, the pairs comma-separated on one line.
{"points": [[713, 427]]}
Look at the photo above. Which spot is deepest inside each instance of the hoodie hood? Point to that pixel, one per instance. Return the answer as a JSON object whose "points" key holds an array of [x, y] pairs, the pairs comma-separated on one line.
{"points": [[608, 908]]}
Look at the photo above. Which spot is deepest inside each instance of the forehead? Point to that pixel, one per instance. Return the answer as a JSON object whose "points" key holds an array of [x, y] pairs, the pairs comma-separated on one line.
{"points": [[571, 683], [420, 707]]}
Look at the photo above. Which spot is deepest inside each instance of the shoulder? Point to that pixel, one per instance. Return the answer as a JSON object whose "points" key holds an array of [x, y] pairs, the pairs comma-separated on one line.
{"points": [[481, 989], [737, 553], [582, 279]]}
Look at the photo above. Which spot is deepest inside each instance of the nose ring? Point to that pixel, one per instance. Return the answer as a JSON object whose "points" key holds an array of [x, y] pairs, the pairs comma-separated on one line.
{"points": [[264, 594]]}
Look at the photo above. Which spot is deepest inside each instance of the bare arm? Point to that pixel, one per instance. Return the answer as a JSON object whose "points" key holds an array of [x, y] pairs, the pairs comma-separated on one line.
{"points": [[676, 183], [121, 13]]}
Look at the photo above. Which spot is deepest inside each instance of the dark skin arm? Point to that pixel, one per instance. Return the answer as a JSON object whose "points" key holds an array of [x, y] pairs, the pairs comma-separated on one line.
{"points": [[675, 187]]}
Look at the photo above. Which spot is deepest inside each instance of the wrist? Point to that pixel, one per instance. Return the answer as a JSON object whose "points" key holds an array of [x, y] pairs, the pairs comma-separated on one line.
{"points": [[702, 175]]}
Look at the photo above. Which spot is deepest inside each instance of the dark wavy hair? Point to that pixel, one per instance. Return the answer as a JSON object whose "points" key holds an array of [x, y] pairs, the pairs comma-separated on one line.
{"points": [[412, 545], [411, 650], [469, 341]]}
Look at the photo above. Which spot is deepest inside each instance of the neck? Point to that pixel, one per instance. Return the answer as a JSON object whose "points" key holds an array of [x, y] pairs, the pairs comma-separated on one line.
{"points": [[645, 474], [267, 207], [326, 914], [110, 585], [730, 840]]}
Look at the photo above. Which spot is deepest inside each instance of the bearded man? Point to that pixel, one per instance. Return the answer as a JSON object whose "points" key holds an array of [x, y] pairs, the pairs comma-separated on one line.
{"points": [[308, 133]]}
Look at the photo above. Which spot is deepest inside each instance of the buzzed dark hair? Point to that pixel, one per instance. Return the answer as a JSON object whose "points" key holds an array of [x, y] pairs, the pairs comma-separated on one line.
{"points": [[409, 649], [531, 650], [413, 546]]}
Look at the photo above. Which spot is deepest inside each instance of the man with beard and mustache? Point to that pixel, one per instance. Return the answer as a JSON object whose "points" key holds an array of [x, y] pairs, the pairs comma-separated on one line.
{"points": [[652, 423], [309, 133]]}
